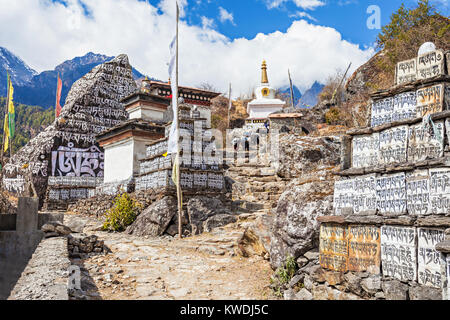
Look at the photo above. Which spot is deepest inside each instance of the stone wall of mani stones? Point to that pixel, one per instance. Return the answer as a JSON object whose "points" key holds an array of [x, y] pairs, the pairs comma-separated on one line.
{"points": [[201, 167], [65, 160], [392, 202]]}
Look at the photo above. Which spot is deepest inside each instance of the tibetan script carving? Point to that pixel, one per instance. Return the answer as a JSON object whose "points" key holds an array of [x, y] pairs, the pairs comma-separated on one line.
{"points": [[430, 65], [77, 162], [391, 194], [440, 190], [418, 192], [429, 259], [333, 247], [406, 71], [398, 252], [364, 248], [365, 150], [430, 100], [426, 141], [393, 145]]}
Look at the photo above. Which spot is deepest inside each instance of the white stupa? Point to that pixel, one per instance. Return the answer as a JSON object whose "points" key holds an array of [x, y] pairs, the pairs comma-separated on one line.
{"points": [[265, 103]]}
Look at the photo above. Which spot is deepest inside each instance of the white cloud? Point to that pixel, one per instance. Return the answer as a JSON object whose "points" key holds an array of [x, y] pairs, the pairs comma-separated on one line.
{"points": [[224, 15], [207, 23], [45, 34], [302, 14], [304, 4]]}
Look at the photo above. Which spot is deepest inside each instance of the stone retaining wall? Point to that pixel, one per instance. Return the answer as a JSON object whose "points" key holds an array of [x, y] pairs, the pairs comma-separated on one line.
{"points": [[47, 274], [392, 203]]}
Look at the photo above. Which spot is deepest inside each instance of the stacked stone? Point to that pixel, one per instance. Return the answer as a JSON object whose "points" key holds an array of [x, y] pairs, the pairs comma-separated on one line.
{"points": [[79, 244], [65, 161], [200, 164], [392, 203]]}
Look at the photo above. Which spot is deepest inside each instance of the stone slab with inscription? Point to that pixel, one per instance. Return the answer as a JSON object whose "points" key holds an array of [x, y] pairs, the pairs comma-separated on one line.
{"points": [[430, 100], [393, 145], [418, 192], [399, 252], [365, 195], [382, 111], [440, 190], [343, 196], [404, 106], [406, 71], [431, 64], [426, 141], [391, 194], [430, 260], [364, 247], [333, 247], [365, 150]]}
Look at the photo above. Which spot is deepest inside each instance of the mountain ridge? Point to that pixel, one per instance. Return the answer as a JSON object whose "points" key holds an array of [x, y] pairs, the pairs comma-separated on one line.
{"points": [[32, 88]]}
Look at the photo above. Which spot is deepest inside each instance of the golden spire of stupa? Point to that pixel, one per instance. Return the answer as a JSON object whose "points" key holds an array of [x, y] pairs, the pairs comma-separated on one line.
{"points": [[264, 78]]}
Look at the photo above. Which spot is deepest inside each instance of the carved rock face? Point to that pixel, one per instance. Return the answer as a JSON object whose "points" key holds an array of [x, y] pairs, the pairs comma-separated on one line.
{"points": [[67, 148]]}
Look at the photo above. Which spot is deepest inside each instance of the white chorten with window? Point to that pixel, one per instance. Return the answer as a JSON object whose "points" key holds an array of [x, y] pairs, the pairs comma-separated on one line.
{"points": [[265, 103]]}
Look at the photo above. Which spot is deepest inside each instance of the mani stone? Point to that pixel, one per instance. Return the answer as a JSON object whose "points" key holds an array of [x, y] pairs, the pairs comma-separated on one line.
{"points": [[67, 147]]}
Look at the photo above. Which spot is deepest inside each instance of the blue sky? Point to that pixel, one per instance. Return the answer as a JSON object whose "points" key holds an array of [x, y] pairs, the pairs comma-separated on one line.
{"points": [[253, 16], [221, 41]]}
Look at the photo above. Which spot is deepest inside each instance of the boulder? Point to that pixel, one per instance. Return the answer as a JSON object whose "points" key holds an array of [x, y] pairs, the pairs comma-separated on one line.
{"points": [[155, 219], [371, 284], [304, 294], [217, 221], [201, 208], [296, 229], [301, 155], [424, 293], [395, 290]]}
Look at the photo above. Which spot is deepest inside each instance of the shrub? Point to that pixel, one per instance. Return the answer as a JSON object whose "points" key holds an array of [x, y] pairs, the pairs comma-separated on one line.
{"points": [[283, 275], [333, 116], [122, 214]]}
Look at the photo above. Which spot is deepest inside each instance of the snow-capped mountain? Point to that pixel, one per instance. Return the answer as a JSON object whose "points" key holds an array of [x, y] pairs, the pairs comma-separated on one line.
{"points": [[31, 88], [19, 71]]}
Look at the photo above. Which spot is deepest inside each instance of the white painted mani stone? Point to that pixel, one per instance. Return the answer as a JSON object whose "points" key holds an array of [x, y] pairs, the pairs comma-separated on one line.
{"points": [[391, 194], [406, 71], [393, 145], [365, 195], [343, 196], [426, 141], [382, 111], [430, 64], [418, 192], [440, 190], [365, 150], [398, 252], [430, 260]]}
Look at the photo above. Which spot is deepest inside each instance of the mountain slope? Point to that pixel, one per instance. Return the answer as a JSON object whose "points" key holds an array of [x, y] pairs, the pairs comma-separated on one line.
{"points": [[19, 71], [285, 92], [40, 89], [310, 97]]}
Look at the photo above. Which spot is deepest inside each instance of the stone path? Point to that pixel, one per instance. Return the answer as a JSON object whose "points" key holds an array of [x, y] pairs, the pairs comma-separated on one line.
{"points": [[201, 267]]}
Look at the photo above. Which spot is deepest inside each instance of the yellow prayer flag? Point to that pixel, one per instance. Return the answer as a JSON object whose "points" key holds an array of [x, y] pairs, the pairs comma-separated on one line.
{"points": [[6, 134]]}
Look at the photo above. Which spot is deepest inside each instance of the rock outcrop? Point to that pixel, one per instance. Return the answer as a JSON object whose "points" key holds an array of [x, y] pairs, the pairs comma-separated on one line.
{"points": [[155, 220], [295, 228]]}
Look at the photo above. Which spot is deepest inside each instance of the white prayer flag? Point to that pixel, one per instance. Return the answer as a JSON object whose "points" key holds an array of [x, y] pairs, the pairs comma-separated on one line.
{"points": [[229, 98], [173, 74]]}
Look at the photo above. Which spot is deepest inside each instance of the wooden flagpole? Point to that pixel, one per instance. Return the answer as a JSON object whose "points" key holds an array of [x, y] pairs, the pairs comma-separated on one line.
{"points": [[177, 159], [229, 105], [6, 112], [292, 90], [56, 96]]}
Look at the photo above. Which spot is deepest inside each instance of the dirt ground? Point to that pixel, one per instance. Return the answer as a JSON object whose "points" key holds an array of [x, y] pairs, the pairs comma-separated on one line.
{"points": [[195, 268]]}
